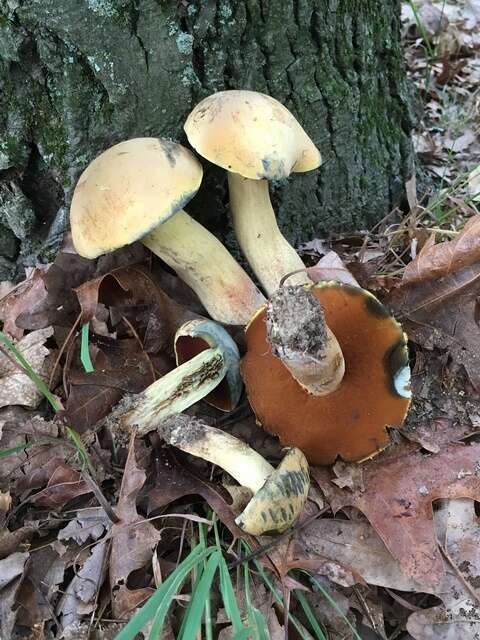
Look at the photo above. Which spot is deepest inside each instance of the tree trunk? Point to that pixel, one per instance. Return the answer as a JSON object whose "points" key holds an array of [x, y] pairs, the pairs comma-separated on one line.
{"points": [[79, 75]]}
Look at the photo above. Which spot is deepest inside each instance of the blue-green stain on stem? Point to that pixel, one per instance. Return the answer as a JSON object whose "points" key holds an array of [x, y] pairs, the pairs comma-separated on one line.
{"points": [[84, 350]]}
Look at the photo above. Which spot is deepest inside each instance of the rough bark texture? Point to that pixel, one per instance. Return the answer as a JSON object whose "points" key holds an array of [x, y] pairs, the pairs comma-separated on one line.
{"points": [[79, 75]]}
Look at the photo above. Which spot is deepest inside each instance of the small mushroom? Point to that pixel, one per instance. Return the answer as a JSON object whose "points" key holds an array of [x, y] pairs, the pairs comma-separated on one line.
{"points": [[278, 494], [329, 398], [136, 190], [256, 139], [208, 368]]}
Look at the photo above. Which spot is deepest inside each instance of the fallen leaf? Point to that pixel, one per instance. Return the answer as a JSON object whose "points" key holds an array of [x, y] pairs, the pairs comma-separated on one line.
{"points": [[133, 539], [64, 484], [331, 267], [336, 618], [443, 313], [474, 184], [59, 305], [434, 435], [173, 481], [39, 590], [17, 387], [19, 427], [461, 143], [88, 523], [120, 367], [436, 260], [133, 287], [356, 545], [399, 490], [21, 299], [458, 531], [11, 575], [80, 597]]}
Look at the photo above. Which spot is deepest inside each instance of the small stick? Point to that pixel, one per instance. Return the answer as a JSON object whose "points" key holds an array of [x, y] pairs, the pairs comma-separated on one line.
{"points": [[260, 551]]}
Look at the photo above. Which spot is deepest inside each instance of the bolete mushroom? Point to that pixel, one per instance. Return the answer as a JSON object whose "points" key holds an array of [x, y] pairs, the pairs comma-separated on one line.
{"points": [[208, 367], [278, 494], [136, 190], [333, 384], [256, 139]]}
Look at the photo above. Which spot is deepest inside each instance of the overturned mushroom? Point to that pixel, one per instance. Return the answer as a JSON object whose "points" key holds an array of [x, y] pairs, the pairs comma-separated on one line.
{"points": [[278, 494], [208, 368], [256, 139], [135, 191], [326, 370], [199, 335]]}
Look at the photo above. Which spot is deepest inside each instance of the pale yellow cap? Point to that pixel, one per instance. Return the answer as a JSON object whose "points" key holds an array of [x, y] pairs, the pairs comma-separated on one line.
{"points": [[251, 134], [128, 191]]}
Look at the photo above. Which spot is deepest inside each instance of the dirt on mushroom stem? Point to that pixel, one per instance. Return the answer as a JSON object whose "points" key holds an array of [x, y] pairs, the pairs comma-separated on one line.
{"points": [[296, 323]]}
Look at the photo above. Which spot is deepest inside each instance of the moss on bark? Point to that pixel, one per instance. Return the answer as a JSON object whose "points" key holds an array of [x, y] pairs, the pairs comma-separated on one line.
{"points": [[79, 75]]}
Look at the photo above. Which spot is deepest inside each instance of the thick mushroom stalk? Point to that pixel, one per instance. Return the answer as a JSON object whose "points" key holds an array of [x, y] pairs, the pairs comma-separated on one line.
{"points": [[136, 190], [269, 254], [300, 337], [200, 374], [255, 138], [278, 494], [201, 260]]}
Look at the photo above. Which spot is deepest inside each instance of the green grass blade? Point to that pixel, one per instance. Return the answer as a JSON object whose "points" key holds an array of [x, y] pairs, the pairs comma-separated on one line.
{"points": [[299, 628], [259, 623], [84, 350], [200, 595], [256, 619], [80, 447], [158, 604], [333, 604], [229, 599], [33, 375], [244, 634], [307, 609], [4, 453]]}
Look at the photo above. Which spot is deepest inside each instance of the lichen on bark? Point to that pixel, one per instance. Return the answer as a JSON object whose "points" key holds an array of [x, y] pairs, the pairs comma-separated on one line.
{"points": [[79, 75]]}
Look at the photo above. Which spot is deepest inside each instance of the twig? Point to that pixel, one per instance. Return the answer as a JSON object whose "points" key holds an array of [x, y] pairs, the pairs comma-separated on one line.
{"points": [[62, 349], [366, 609], [260, 551], [112, 516]]}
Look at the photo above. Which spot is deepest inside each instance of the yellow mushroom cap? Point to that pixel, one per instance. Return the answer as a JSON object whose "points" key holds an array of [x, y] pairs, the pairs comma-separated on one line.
{"points": [[128, 190], [251, 134]]}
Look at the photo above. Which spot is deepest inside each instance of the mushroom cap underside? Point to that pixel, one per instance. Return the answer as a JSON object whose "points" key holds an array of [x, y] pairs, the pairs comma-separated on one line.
{"points": [[251, 134], [128, 190], [374, 393]]}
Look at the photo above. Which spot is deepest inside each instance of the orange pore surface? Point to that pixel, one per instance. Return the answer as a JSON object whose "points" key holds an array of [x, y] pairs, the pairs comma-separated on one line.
{"points": [[187, 347], [351, 421]]}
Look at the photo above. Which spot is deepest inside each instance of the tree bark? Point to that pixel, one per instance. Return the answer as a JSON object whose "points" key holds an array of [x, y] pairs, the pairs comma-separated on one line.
{"points": [[79, 75]]}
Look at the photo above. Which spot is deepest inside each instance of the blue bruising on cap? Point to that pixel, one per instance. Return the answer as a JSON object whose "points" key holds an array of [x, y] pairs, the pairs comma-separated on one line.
{"points": [[375, 307], [171, 150], [398, 368], [176, 206], [401, 382], [273, 169]]}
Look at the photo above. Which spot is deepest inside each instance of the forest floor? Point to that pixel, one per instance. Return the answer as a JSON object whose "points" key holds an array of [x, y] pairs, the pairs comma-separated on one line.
{"points": [[92, 526]]}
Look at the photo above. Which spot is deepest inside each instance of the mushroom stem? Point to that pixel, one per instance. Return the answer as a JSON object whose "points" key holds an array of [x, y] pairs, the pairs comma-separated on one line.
{"points": [[173, 393], [268, 252], [244, 464], [300, 337], [279, 495], [225, 290]]}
